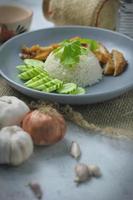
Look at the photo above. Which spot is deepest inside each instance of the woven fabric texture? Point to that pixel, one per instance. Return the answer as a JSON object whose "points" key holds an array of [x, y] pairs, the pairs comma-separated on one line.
{"points": [[116, 113], [100, 13]]}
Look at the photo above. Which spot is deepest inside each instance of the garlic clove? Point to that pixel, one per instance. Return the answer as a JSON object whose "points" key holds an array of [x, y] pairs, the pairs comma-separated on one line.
{"points": [[82, 173], [36, 189], [94, 170], [75, 150]]}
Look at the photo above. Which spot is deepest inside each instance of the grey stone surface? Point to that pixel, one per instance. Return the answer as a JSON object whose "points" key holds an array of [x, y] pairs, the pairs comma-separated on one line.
{"points": [[53, 168]]}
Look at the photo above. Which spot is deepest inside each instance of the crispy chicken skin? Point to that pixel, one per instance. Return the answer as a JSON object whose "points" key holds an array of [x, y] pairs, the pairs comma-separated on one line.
{"points": [[37, 52], [102, 54], [109, 67], [116, 64], [119, 62]]}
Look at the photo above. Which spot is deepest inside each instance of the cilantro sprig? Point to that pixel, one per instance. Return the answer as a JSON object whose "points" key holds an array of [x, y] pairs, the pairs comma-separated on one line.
{"points": [[92, 44], [70, 51]]}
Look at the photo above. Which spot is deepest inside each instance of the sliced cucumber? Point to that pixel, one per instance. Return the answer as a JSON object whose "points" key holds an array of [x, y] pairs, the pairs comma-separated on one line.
{"points": [[67, 88], [26, 75], [52, 85], [46, 85], [34, 63], [37, 78], [36, 84], [79, 90], [23, 68]]}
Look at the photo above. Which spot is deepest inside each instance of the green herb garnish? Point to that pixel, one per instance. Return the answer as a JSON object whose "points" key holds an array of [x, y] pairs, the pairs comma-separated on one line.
{"points": [[70, 51], [92, 44]]}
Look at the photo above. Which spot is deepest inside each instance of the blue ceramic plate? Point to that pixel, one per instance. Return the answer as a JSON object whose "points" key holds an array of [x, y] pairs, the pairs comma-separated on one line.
{"points": [[108, 88]]}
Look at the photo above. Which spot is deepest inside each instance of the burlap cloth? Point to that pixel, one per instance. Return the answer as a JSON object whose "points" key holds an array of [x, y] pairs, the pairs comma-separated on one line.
{"points": [[98, 13], [113, 117]]}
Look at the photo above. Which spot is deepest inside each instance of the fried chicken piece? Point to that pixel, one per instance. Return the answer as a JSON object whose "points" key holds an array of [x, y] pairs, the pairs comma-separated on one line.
{"points": [[116, 63], [75, 38], [119, 62], [42, 55], [38, 52], [102, 54], [27, 50], [45, 51], [48, 48], [109, 67], [55, 45]]}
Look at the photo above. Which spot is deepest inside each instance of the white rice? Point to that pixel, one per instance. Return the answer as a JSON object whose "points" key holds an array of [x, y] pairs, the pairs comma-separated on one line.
{"points": [[87, 72]]}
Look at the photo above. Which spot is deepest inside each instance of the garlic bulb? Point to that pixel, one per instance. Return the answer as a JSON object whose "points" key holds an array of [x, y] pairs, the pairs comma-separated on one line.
{"points": [[16, 145], [75, 150], [12, 111]]}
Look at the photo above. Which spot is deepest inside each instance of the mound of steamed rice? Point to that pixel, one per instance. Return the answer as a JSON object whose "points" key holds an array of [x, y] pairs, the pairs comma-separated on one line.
{"points": [[87, 72]]}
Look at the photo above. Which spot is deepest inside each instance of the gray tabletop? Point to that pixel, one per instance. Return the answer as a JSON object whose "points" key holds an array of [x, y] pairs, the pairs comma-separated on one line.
{"points": [[53, 167]]}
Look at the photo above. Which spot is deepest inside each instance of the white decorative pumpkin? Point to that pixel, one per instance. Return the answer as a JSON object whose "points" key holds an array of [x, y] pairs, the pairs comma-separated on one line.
{"points": [[12, 111], [16, 145]]}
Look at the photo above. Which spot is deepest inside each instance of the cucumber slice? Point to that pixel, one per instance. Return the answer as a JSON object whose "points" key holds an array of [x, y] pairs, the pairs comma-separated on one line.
{"points": [[37, 83], [26, 75], [52, 85], [49, 89], [23, 68], [67, 88], [37, 78], [79, 90], [34, 63]]}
